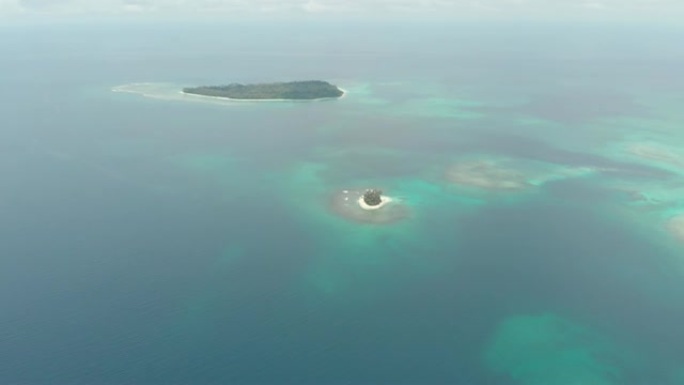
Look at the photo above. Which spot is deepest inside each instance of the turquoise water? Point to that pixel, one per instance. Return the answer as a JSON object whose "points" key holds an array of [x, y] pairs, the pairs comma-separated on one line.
{"points": [[533, 236]]}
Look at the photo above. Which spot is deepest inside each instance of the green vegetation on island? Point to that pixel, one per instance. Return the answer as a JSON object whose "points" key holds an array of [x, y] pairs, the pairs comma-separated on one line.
{"points": [[372, 197], [298, 90]]}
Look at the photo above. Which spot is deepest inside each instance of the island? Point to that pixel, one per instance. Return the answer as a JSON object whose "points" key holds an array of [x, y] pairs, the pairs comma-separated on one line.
{"points": [[351, 205], [297, 90], [373, 199]]}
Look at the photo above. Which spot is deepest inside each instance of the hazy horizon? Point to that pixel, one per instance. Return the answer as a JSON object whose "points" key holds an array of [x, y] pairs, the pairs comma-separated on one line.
{"points": [[368, 10]]}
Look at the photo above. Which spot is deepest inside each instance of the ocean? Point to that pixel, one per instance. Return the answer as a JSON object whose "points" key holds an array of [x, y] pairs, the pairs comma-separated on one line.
{"points": [[534, 236]]}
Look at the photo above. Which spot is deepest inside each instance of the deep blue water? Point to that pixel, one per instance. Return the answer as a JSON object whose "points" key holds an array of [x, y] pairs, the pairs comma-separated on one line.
{"points": [[151, 241]]}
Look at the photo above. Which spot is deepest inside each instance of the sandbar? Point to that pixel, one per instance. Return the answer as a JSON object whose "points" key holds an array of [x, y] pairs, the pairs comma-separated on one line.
{"points": [[486, 174], [657, 153]]}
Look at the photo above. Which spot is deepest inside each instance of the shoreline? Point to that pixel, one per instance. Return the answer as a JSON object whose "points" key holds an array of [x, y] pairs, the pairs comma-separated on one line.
{"points": [[384, 200], [169, 94], [344, 93]]}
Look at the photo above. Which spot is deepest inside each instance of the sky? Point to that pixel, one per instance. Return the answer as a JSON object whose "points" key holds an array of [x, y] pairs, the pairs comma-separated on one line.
{"points": [[373, 9]]}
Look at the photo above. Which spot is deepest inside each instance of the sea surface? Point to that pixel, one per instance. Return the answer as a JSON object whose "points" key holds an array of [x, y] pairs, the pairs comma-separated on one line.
{"points": [[537, 172]]}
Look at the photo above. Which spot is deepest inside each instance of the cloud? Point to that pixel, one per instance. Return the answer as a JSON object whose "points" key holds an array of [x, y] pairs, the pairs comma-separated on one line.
{"points": [[9, 6], [335, 8], [316, 6]]}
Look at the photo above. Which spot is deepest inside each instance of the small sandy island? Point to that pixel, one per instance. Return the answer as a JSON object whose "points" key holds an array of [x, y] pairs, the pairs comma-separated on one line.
{"points": [[384, 200], [349, 204]]}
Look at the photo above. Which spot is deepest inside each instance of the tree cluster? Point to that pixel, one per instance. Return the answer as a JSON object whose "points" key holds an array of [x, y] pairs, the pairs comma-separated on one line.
{"points": [[372, 197], [299, 90]]}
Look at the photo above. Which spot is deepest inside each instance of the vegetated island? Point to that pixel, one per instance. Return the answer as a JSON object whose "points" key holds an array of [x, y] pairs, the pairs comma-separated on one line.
{"points": [[298, 90], [368, 206], [373, 199]]}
